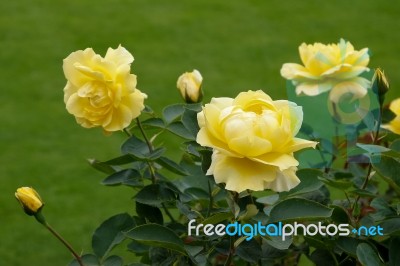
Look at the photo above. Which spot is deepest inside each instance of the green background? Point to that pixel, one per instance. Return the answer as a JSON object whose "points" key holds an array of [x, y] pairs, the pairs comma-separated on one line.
{"points": [[237, 45]]}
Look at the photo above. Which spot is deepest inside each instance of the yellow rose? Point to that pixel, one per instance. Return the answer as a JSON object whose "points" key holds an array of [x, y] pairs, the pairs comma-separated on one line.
{"points": [[189, 85], [334, 67], [253, 141], [394, 125], [101, 92], [29, 199]]}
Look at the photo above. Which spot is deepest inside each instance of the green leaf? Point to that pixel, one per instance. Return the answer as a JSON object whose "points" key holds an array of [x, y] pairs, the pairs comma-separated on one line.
{"points": [[298, 209], [135, 146], [189, 120], [121, 160], [157, 236], [180, 130], [367, 255], [101, 166], [171, 166], [372, 149], [197, 193], [339, 214], [394, 254], [137, 247], [395, 146], [389, 168], [155, 195], [88, 260], [197, 107], [149, 213], [363, 193], [110, 233], [349, 245], [391, 226], [309, 182], [268, 200], [322, 257], [218, 218], [154, 122], [139, 150], [129, 177], [249, 251], [172, 112], [278, 243], [336, 183], [113, 261]]}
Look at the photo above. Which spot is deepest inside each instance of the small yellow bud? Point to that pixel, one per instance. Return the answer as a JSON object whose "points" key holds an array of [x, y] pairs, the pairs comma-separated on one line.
{"points": [[380, 82], [29, 199], [189, 85]]}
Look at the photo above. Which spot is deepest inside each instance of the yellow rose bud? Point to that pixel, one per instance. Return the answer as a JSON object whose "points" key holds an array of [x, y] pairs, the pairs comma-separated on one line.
{"points": [[394, 125], [189, 85], [29, 199], [253, 141], [334, 67], [101, 91], [380, 82]]}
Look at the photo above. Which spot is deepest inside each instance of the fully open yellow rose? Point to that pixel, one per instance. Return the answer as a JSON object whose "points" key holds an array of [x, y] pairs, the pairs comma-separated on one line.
{"points": [[253, 140], [333, 67], [101, 92], [394, 125]]}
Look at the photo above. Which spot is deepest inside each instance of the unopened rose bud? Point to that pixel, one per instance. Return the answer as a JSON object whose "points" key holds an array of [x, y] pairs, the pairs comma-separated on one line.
{"points": [[29, 199], [380, 83], [189, 85]]}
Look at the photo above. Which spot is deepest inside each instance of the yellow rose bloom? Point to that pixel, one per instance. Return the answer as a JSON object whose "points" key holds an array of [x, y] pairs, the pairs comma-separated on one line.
{"points": [[394, 125], [189, 85], [253, 141], [101, 92], [29, 199], [334, 67]]}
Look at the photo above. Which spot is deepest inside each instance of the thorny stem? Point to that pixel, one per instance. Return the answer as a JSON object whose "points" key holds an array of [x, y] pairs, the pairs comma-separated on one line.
{"points": [[210, 204], [374, 141], [336, 119], [168, 213], [69, 247], [144, 135], [232, 238], [146, 139]]}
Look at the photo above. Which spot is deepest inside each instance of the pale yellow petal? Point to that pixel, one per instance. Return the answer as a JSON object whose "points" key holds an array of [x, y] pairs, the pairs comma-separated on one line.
{"points": [[221, 102], [281, 160], [76, 105], [284, 181], [121, 118], [208, 140], [72, 74], [297, 72], [119, 56], [298, 144], [250, 146], [313, 89], [395, 106], [240, 174]]}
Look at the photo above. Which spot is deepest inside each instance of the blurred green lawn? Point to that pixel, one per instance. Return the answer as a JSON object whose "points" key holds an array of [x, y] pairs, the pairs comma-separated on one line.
{"points": [[237, 45]]}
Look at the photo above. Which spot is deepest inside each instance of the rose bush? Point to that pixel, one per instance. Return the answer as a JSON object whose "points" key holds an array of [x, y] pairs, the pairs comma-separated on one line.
{"points": [[101, 92], [253, 138], [334, 67], [232, 147]]}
